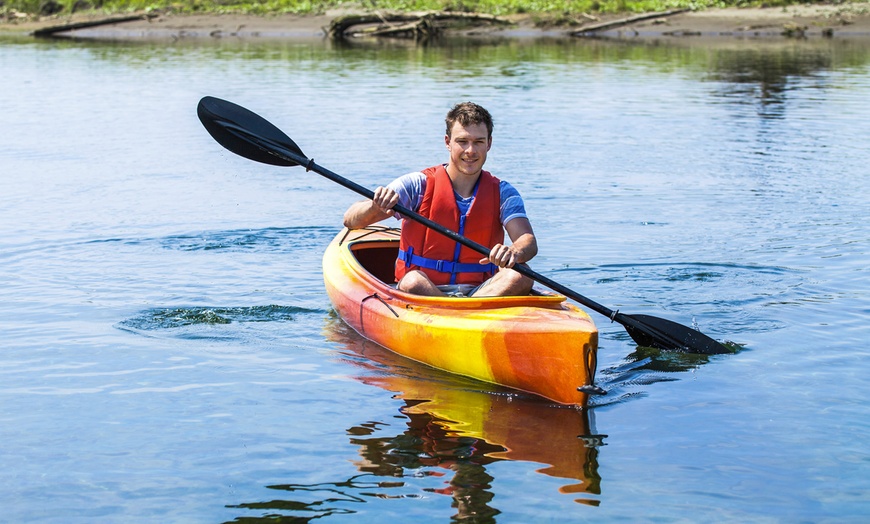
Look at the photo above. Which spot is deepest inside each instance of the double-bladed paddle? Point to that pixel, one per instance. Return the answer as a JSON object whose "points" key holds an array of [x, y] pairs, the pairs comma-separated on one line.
{"points": [[251, 136]]}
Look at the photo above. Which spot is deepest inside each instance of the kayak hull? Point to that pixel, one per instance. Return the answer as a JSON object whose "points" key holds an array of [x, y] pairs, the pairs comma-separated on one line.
{"points": [[540, 343]]}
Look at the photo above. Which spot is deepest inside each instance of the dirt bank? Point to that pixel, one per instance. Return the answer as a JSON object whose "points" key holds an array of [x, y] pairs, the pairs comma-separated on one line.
{"points": [[807, 21]]}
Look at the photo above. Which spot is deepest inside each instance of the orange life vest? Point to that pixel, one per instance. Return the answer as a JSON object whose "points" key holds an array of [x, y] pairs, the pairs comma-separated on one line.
{"points": [[443, 260]]}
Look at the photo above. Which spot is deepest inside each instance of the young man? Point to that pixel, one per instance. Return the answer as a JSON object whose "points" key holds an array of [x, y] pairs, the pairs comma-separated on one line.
{"points": [[463, 197]]}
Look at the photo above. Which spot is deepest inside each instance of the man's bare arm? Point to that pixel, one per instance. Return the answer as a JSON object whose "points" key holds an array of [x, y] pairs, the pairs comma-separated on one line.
{"points": [[524, 245], [367, 212]]}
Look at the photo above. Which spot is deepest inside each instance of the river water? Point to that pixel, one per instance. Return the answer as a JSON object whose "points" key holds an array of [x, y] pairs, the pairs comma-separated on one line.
{"points": [[169, 353]]}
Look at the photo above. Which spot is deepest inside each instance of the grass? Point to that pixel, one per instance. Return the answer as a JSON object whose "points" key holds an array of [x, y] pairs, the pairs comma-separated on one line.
{"points": [[266, 7]]}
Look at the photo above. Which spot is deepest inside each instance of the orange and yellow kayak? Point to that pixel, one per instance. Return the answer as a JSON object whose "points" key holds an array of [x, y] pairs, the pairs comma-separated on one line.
{"points": [[539, 343]]}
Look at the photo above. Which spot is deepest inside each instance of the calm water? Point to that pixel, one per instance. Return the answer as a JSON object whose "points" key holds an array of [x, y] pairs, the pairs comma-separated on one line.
{"points": [[169, 353]]}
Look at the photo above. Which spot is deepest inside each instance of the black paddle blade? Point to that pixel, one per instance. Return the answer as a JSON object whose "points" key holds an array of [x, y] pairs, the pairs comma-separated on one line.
{"points": [[246, 133], [660, 333]]}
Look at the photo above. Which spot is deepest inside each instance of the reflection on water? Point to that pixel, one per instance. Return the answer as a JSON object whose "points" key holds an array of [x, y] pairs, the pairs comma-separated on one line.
{"points": [[769, 65], [314, 501], [766, 75], [502, 424], [453, 430]]}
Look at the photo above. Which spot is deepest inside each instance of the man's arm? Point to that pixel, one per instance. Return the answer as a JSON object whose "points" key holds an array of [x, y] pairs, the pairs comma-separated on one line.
{"points": [[524, 245], [367, 212]]}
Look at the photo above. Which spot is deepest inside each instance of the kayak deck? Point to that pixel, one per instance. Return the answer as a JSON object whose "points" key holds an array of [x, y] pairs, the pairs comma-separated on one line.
{"points": [[539, 343]]}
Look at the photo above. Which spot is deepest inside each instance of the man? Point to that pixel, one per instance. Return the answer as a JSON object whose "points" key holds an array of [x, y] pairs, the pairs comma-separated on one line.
{"points": [[463, 197]]}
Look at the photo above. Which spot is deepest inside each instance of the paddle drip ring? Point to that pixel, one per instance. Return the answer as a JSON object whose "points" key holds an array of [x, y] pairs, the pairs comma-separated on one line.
{"points": [[309, 164], [613, 316]]}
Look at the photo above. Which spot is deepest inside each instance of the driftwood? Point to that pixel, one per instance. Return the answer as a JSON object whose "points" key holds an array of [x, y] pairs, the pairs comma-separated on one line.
{"points": [[406, 25], [54, 30], [603, 26]]}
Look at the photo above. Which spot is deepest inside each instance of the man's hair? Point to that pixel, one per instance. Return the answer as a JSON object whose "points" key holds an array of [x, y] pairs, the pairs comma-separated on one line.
{"points": [[468, 114]]}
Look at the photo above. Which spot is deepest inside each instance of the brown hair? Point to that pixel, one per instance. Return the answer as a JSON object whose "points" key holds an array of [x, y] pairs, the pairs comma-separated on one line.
{"points": [[467, 114]]}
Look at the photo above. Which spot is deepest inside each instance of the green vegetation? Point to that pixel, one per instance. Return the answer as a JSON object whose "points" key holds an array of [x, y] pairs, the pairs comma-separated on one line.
{"points": [[265, 7]]}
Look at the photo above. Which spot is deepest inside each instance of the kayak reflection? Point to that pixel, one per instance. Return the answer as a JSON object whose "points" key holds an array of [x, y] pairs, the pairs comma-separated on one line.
{"points": [[452, 431], [461, 425]]}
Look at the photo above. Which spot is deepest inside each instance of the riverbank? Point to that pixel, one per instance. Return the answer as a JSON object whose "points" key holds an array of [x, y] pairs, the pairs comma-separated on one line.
{"points": [[802, 21]]}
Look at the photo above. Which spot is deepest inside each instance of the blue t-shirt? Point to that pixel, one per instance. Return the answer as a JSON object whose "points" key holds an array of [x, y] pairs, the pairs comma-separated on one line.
{"points": [[412, 187]]}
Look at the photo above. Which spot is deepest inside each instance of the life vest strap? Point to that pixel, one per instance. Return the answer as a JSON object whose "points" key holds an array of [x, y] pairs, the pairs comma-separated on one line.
{"points": [[444, 266]]}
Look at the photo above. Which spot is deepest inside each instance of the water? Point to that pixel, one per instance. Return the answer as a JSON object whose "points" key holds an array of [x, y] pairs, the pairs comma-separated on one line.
{"points": [[169, 354]]}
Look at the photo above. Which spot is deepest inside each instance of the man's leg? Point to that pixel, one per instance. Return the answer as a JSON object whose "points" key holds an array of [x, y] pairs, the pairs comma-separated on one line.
{"points": [[418, 283], [506, 282]]}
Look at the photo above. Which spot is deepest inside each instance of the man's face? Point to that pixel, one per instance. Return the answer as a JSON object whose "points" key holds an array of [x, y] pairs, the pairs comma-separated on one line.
{"points": [[468, 147]]}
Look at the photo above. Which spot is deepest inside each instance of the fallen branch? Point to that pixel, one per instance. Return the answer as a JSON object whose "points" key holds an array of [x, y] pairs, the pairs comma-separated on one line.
{"points": [[416, 29], [603, 26], [54, 30], [411, 23]]}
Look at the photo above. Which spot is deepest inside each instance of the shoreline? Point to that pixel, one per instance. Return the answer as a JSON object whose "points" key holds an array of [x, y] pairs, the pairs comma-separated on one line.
{"points": [[799, 21]]}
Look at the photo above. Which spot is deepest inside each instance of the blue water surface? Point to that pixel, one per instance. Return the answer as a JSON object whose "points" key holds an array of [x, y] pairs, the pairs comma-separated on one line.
{"points": [[169, 353]]}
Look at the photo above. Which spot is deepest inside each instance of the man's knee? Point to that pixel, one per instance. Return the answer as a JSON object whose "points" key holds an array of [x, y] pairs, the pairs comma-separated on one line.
{"points": [[416, 282], [522, 284]]}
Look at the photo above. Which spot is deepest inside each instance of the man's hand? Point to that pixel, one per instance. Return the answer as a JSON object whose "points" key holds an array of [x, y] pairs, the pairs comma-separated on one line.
{"points": [[367, 212], [385, 199], [502, 256], [523, 246]]}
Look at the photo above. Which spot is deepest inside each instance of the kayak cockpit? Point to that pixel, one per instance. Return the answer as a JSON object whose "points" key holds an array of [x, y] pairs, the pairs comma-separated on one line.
{"points": [[373, 251]]}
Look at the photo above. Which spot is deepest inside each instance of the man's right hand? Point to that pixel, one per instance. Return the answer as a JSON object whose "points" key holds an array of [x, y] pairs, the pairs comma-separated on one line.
{"points": [[367, 212], [385, 199]]}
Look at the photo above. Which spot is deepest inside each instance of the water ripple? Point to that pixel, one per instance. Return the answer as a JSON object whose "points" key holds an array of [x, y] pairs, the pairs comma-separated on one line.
{"points": [[265, 240], [732, 295], [629, 379], [261, 240], [692, 269], [171, 318]]}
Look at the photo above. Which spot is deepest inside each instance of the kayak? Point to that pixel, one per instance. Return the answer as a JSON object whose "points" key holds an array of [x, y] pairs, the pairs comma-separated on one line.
{"points": [[539, 343]]}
